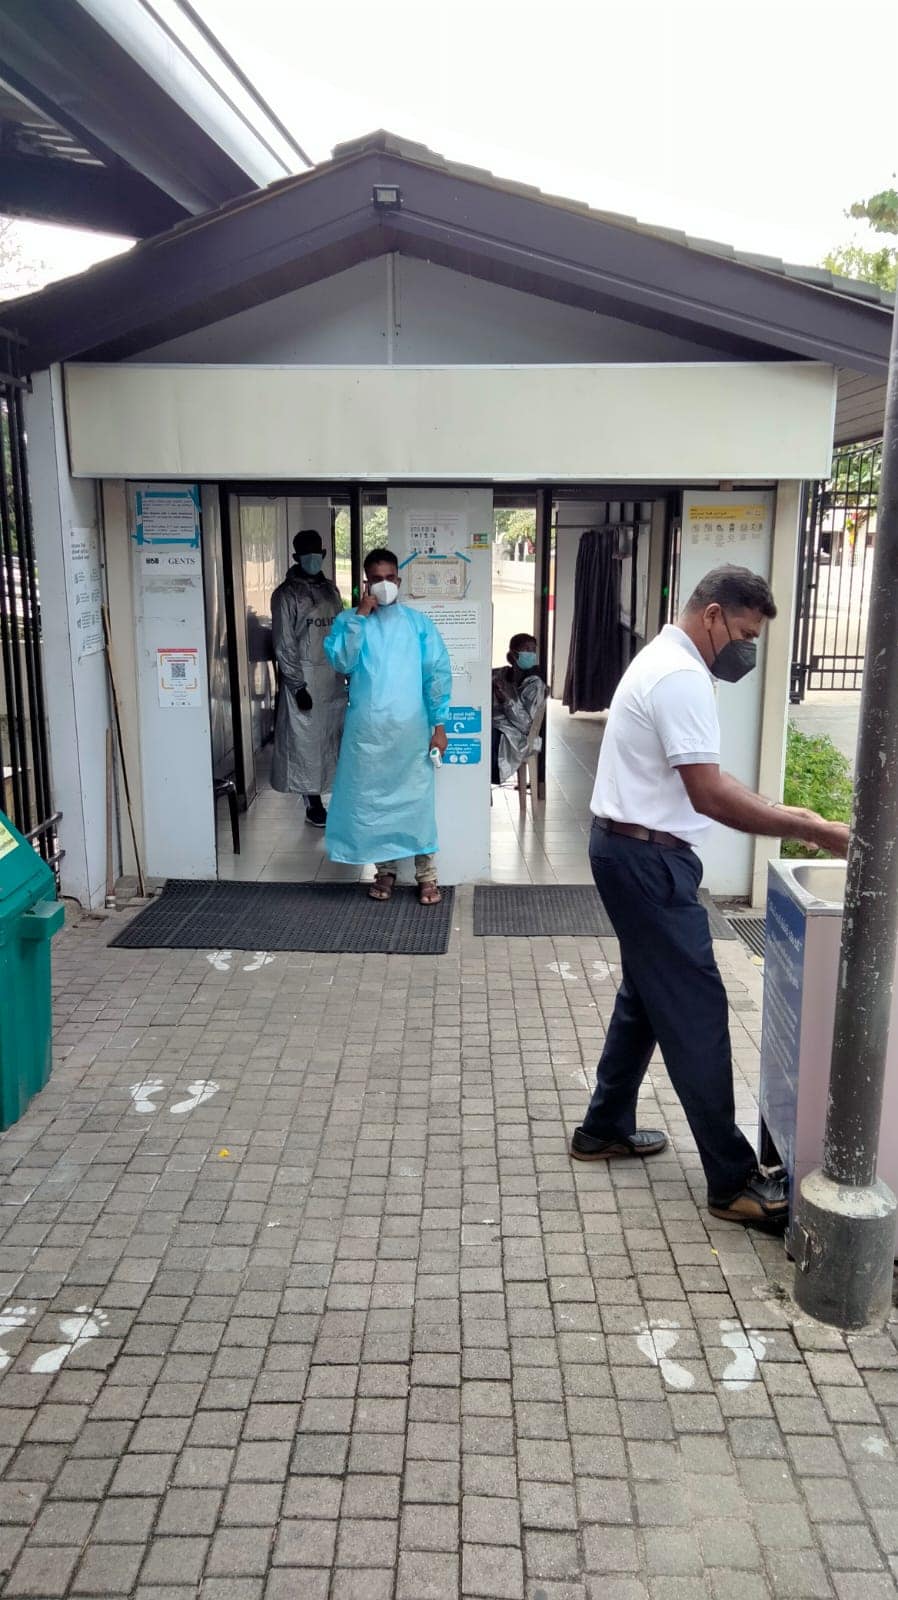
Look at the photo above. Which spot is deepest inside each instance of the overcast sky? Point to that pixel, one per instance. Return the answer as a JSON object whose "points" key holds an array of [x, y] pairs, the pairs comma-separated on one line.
{"points": [[751, 121]]}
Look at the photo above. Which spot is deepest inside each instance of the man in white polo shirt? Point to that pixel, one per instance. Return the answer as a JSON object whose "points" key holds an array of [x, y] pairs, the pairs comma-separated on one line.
{"points": [[658, 788]]}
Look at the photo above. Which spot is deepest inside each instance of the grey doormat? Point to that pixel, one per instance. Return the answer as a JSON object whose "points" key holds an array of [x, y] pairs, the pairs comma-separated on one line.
{"points": [[720, 926], [323, 917], [534, 911]]}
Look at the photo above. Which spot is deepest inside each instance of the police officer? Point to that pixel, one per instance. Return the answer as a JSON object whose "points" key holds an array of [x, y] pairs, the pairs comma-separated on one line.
{"points": [[311, 696]]}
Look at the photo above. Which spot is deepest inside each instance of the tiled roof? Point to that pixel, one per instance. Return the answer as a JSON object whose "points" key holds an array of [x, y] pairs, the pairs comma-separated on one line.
{"points": [[817, 277]]}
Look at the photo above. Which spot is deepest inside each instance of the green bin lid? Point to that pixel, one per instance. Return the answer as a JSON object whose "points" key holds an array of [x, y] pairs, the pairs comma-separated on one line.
{"points": [[20, 863]]}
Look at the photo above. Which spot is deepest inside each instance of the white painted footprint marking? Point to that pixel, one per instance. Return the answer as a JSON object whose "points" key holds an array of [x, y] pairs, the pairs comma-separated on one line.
{"points": [[657, 1340], [141, 1094], [84, 1324], [748, 1349], [562, 969], [261, 958], [220, 960], [13, 1317], [203, 1089], [605, 969]]}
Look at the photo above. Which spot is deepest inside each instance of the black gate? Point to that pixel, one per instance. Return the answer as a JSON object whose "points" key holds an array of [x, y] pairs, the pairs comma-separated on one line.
{"points": [[24, 764], [835, 562]]}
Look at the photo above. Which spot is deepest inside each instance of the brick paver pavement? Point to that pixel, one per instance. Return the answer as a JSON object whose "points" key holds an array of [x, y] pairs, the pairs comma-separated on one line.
{"points": [[323, 1311]]}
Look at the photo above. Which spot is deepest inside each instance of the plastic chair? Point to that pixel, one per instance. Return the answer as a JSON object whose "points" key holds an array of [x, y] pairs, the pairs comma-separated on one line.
{"points": [[528, 771]]}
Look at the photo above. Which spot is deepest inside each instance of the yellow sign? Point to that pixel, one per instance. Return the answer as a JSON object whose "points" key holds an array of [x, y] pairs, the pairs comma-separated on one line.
{"points": [[8, 841], [735, 513]]}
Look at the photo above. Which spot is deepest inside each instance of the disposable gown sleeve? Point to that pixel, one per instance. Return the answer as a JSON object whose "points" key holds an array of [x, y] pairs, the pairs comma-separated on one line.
{"points": [[343, 645], [436, 673], [289, 618]]}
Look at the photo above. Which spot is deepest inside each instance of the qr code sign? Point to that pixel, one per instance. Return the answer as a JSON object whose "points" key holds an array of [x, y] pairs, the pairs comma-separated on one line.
{"points": [[178, 671]]}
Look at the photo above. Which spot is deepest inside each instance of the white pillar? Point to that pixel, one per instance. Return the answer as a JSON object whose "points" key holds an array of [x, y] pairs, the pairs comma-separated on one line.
{"points": [[463, 787], [65, 524], [777, 669]]}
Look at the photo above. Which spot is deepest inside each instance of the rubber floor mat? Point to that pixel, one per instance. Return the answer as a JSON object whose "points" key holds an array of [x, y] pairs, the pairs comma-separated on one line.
{"points": [[533, 911], [720, 927], [321, 917]]}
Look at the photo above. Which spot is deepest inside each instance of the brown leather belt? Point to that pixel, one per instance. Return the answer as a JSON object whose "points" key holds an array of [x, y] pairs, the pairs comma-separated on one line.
{"points": [[632, 830]]}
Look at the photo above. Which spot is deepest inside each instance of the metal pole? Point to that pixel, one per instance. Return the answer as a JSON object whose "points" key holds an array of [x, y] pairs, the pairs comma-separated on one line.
{"points": [[844, 1232]]}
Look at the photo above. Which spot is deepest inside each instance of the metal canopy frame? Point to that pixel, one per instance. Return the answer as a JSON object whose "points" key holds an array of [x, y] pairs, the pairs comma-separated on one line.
{"points": [[307, 228]]}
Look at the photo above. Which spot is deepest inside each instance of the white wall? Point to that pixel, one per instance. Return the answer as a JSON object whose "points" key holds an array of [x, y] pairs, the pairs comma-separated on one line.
{"points": [[462, 792], [398, 309], [728, 856], [521, 424], [776, 671], [176, 743], [76, 692]]}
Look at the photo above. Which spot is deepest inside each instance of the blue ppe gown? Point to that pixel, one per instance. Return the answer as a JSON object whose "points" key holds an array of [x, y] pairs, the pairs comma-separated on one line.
{"points": [[400, 681]]}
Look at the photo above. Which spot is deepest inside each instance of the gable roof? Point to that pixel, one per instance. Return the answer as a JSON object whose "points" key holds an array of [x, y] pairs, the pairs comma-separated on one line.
{"points": [[305, 228]]}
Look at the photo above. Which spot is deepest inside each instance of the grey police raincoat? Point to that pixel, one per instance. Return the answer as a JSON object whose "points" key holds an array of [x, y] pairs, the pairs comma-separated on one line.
{"points": [[306, 743]]}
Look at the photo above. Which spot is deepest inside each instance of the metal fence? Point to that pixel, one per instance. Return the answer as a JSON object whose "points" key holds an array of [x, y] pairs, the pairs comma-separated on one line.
{"points": [[24, 763], [835, 562]]}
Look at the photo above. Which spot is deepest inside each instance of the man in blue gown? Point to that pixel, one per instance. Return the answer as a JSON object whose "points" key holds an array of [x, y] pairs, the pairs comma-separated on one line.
{"points": [[400, 681]]}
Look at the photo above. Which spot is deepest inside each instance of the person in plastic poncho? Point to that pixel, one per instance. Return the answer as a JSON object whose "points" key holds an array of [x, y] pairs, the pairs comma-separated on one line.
{"points": [[311, 701], [400, 681], [519, 692]]}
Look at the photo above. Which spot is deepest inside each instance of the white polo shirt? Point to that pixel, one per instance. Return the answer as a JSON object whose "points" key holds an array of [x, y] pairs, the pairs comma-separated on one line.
{"points": [[663, 716]]}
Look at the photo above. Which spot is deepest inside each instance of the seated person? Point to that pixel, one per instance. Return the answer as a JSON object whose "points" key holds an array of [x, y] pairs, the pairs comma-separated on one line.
{"points": [[519, 692]]}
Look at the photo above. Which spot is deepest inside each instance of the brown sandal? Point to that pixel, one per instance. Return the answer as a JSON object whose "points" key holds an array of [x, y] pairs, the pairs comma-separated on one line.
{"points": [[429, 894], [383, 886]]}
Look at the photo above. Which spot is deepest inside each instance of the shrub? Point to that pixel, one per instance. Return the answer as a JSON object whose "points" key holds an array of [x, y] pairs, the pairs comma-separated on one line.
{"points": [[818, 777]]}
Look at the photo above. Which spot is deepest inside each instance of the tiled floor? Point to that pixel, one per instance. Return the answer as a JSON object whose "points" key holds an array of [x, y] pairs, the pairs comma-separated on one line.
{"points": [[546, 846], [301, 1298]]}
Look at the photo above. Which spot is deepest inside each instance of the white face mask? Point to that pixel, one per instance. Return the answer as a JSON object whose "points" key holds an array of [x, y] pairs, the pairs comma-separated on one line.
{"points": [[385, 591]]}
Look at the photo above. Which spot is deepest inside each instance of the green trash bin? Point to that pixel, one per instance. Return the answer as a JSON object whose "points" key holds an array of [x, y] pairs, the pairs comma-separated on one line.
{"points": [[30, 914]]}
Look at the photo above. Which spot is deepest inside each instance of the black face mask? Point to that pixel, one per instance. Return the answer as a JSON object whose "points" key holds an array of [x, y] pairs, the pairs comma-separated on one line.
{"points": [[736, 659]]}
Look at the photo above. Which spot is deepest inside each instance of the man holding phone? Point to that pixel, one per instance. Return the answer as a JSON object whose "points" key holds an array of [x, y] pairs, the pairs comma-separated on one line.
{"points": [[400, 681]]}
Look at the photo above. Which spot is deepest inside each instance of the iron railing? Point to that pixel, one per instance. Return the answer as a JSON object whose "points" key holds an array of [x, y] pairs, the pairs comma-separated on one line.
{"points": [[24, 760], [835, 561]]}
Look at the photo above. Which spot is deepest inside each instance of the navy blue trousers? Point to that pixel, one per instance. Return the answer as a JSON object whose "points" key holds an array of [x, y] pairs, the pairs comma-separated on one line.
{"points": [[672, 994]]}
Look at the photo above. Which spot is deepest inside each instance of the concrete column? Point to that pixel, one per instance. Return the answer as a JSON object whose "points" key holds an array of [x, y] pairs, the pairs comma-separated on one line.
{"points": [[776, 669], [65, 509]]}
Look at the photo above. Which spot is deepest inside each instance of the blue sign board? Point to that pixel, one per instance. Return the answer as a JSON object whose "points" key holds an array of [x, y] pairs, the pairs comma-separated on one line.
{"points": [[781, 1031], [462, 753], [464, 719]]}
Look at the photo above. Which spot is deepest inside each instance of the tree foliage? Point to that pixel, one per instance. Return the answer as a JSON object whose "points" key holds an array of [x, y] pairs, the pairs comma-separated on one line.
{"points": [[856, 260]]}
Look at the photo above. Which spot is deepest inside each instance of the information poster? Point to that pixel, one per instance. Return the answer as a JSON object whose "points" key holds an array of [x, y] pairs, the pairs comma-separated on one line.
{"points": [[178, 676], [432, 578], [168, 516], [86, 592], [781, 1029], [460, 629], [718, 528], [436, 533]]}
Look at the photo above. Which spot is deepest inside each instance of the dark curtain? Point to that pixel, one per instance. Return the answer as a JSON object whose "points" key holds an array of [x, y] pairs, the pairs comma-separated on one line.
{"points": [[594, 660]]}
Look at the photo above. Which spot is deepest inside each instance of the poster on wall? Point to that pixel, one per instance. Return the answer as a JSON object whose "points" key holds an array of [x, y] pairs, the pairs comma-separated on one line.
{"points": [[86, 591], [719, 529], [178, 676], [168, 516], [460, 629], [436, 533]]}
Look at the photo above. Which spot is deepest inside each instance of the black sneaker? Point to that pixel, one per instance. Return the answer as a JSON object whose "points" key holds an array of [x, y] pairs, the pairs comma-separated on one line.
{"points": [[316, 815], [762, 1202], [644, 1142]]}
